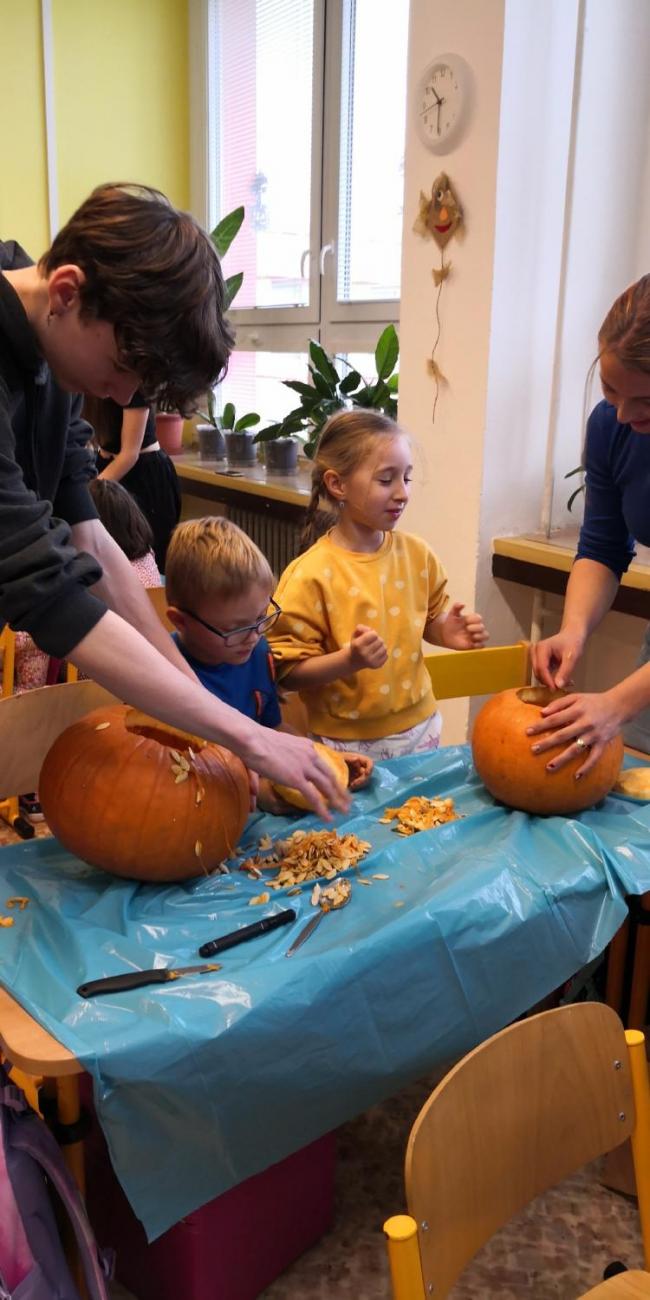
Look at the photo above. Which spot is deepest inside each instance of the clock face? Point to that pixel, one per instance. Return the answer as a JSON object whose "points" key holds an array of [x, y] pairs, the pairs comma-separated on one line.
{"points": [[442, 103]]}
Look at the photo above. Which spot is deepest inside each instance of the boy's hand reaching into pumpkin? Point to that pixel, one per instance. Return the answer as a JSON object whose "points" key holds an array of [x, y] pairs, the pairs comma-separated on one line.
{"points": [[366, 649]]}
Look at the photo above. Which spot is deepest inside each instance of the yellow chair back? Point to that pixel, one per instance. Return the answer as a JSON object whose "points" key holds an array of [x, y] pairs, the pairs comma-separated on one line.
{"points": [[457, 673]]}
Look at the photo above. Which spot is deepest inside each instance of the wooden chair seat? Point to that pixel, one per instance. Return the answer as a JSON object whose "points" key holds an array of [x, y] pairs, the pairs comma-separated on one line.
{"points": [[632, 1285]]}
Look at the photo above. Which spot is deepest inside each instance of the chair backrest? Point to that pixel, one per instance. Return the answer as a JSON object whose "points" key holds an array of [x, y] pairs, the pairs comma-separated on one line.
{"points": [[30, 723], [517, 1115], [158, 599], [456, 673]]}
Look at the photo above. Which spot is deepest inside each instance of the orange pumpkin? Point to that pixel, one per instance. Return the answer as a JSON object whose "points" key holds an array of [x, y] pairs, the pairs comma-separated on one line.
{"points": [[512, 773], [338, 765], [141, 799]]}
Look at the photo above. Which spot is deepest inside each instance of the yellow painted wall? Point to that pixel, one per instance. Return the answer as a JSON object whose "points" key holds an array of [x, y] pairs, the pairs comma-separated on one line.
{"points": [[121, 105], [23, 191]]}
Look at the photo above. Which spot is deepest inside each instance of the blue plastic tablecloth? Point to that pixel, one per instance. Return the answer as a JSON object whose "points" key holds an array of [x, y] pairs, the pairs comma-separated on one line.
{"points": [[202, 1082]]}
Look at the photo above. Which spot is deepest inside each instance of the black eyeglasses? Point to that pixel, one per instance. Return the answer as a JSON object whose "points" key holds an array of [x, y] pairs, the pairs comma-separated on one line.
{"points": [[239, 634]]}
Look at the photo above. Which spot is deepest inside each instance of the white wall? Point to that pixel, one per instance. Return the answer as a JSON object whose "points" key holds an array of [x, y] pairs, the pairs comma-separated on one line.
{"points": [[446, 501], [554, 178]]}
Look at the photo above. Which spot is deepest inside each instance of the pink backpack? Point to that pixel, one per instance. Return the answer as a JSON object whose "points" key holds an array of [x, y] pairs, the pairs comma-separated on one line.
{"points": [[32, 1263]]}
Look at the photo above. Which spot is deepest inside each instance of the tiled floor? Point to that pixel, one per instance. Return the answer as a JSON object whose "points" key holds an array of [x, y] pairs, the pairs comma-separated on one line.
{"points": [[554, 1251]]}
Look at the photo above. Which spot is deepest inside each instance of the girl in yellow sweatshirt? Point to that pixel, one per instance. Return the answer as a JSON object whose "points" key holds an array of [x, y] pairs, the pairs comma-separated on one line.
{"points": [[357, 604]]}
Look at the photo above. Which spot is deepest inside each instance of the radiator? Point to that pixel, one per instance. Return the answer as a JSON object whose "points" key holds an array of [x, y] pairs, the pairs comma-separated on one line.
{"points": [[278, 539]]}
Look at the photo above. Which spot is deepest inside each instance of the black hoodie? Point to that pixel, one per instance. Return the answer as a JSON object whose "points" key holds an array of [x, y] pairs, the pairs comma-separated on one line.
{"points": [[45, 466]]}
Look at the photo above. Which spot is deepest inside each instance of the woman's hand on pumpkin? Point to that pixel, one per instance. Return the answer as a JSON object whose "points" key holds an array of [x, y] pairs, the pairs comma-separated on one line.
{"points": [[593, 719], [293, 761], [555, 658]]}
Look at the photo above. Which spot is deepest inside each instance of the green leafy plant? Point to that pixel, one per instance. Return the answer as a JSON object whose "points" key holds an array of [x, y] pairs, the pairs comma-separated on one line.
{"points": [[228, 421], [222, 237], [579, 469], [329, 392]]}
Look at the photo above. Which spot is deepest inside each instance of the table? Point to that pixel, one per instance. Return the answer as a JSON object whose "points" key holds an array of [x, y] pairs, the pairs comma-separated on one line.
{"points": [[477, 921]]}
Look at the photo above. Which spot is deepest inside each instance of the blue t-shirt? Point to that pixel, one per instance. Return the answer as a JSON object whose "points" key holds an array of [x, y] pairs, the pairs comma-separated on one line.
{"points": [[249, 687], [617, 501]]}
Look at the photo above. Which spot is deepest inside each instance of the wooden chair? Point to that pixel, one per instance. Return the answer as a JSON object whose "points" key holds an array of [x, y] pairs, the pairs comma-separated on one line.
{"points": [[9, 806], [518, 1114], [29, 724]]}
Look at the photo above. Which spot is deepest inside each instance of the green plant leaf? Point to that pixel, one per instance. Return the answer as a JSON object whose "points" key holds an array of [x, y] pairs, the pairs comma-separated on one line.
{"points": [[231, 288], [575, 494], [350, 382], [265, 435], [324, 364], [212, 408], [228, 416], [322, 385], [224, 233], [247, 421], [393, 383], [386, 352], [579, 469], [305, 390]]}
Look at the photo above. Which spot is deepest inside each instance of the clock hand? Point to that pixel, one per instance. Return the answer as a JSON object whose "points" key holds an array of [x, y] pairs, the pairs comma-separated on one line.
{"points": [[439, 103]]}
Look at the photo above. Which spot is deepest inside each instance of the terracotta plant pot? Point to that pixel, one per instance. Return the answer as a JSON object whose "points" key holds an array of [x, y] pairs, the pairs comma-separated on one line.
{"points": [[517, 777], [141, 799], [169, 432]]}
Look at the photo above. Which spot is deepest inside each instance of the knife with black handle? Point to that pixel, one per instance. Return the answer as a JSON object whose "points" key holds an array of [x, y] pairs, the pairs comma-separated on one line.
{"points": [[137, 979]]}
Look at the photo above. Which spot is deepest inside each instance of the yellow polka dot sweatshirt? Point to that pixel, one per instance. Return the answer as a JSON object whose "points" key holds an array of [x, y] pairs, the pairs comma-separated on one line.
{"points": [[324, 594]]}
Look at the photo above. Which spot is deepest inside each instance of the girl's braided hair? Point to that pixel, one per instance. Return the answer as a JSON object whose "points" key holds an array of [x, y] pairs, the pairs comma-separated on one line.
{"points": [[343, 445]]}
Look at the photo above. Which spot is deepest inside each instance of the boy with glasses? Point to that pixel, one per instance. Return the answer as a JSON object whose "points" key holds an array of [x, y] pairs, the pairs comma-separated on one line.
{"points": [[219, 591]]}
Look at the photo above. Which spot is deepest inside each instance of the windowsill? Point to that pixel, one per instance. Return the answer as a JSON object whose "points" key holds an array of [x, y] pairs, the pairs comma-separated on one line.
{"points": [[534, 560], [253, 480]]}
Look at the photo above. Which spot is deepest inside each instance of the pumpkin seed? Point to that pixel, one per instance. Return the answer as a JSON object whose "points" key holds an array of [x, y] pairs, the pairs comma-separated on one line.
{"points": [[199, 795], [175, 755], [260, 898], [182, 776], [101, 726], [198, 848], [379, 875]]}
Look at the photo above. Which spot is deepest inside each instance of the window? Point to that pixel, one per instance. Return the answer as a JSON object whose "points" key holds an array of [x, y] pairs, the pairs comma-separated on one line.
{"points": [[305, 109]]}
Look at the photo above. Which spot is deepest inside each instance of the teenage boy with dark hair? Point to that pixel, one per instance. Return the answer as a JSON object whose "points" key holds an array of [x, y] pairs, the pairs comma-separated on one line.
{"points": [[129, 296]]}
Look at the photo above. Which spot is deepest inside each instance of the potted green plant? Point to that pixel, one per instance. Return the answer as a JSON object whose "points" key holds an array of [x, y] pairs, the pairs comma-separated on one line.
{"points": [[169, 424], [329, 392], [239, 441]]}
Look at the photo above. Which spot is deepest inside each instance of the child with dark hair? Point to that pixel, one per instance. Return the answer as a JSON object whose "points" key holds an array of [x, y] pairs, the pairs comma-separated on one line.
{"points": [[127, 525]]}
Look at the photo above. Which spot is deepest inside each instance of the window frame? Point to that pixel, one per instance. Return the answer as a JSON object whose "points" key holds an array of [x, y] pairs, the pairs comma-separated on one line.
{"points": [[339, 326]]}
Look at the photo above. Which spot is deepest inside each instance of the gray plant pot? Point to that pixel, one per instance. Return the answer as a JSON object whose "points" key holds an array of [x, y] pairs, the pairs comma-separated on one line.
{"points": [[211, 442], [282, 456], [240, 448]]}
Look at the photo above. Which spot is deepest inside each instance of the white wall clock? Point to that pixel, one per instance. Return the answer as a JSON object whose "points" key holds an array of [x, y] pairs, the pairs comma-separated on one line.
{"points": [[444, 101]]}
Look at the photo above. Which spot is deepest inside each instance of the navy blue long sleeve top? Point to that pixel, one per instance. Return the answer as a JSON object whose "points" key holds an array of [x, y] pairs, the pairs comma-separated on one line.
{"points": [[617, 503]]}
